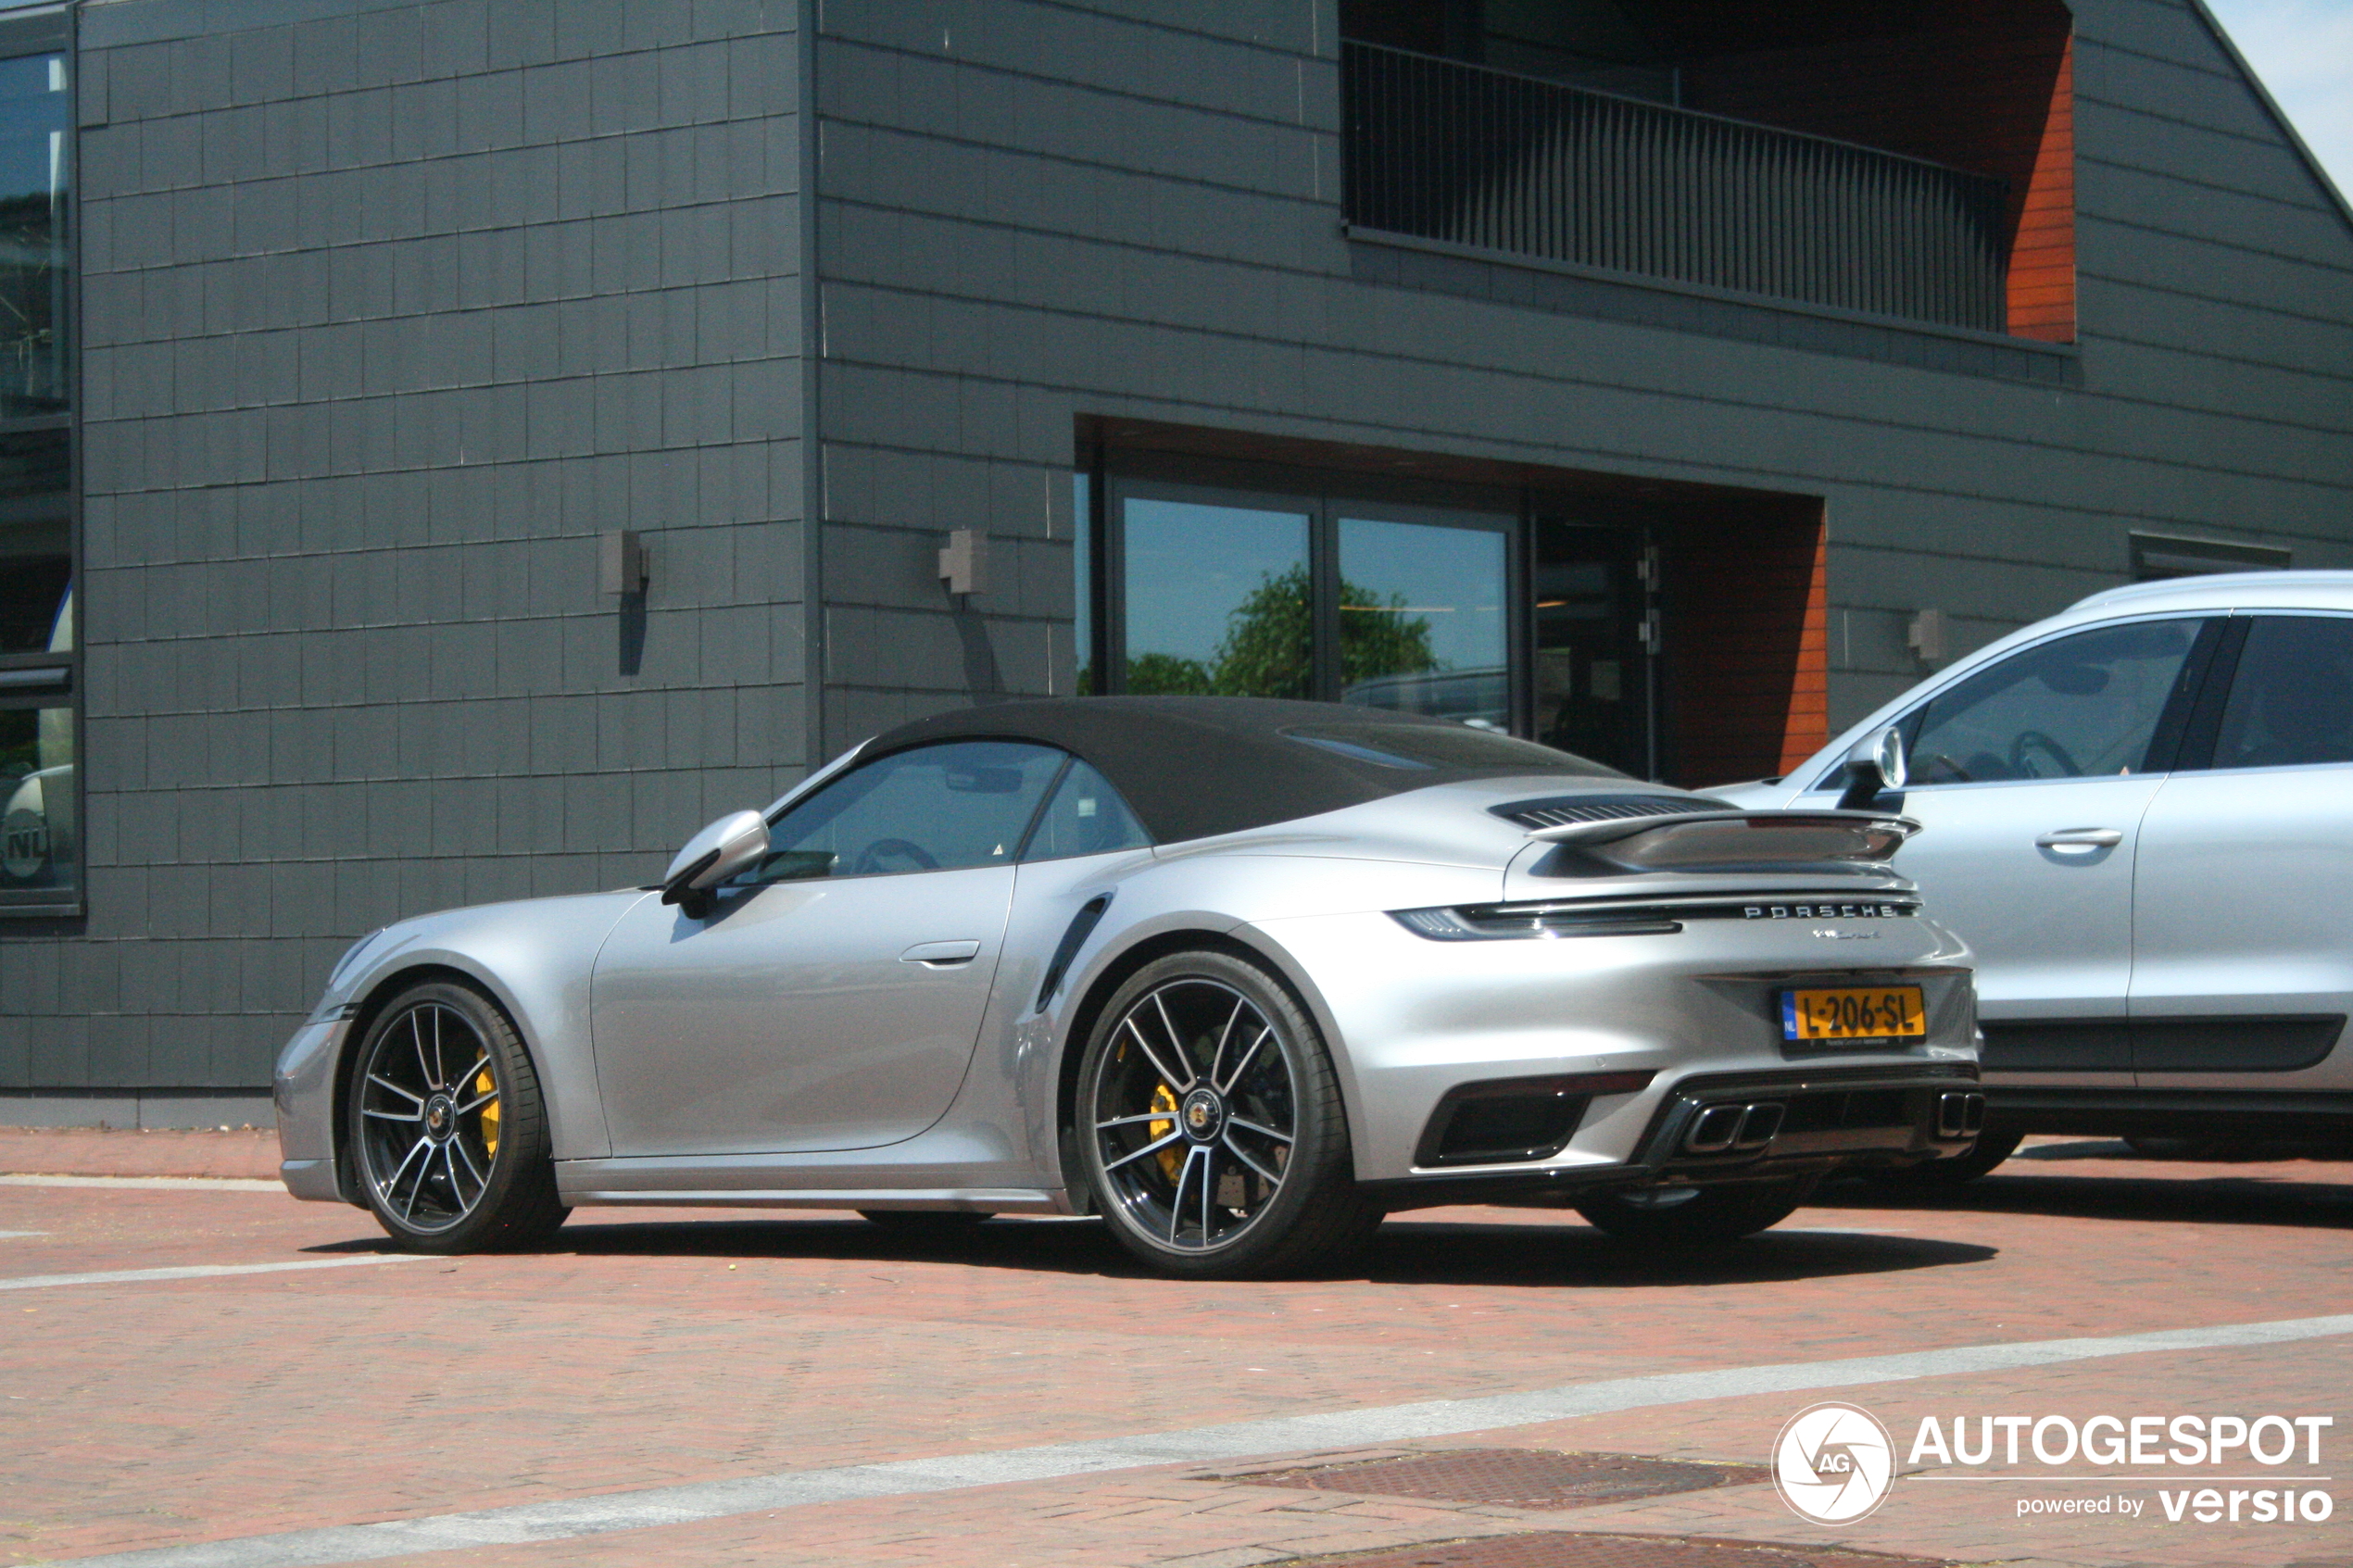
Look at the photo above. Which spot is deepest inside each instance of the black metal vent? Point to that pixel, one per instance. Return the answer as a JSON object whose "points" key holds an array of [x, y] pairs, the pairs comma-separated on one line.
{"points": [[1568, 809], [1442, 150]]}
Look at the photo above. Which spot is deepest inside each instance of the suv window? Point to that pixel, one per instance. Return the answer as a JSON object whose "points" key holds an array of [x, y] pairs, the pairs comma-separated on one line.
{"points": [[2077, 707], [2291, 699], [935, 807]]}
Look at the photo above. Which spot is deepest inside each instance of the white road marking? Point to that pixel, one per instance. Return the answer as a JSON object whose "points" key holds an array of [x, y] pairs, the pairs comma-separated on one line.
{"points": [[5, 1235], [203, 1271], [156, 1183], [568, 1518]]}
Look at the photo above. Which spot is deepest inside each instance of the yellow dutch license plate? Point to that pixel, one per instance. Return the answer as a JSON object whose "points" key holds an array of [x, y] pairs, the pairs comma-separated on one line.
{"points": [[1854, 1012]]}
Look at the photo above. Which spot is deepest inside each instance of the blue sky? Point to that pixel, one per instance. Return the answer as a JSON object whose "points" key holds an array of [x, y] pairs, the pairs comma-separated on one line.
{"points": [[2303, 50]]}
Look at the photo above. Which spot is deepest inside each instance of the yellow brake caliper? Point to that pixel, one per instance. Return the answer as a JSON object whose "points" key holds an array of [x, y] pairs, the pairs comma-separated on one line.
{"points": [[1164, 1099], [483, 1085]]}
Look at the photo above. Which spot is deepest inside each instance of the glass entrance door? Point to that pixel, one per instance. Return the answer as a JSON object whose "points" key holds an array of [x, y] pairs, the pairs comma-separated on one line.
{"points": [[1595, 680]]}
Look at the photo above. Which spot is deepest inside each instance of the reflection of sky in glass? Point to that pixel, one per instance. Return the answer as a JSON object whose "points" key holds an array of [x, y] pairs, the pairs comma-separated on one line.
{"points": [[1188, 566], [1452, 581], [33, 120]]}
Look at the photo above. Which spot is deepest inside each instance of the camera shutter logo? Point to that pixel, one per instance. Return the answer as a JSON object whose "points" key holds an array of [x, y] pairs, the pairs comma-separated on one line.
{"points": [[1832, 1463]]}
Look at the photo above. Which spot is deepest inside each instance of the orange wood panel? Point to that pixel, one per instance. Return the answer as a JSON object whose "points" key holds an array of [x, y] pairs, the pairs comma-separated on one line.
{"points": [[1985, 85], [1746, 647]]}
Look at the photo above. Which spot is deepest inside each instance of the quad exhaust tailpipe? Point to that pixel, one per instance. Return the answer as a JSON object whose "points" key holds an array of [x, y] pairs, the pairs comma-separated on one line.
{"points": [[1735, 1128], [1960, 1115]]}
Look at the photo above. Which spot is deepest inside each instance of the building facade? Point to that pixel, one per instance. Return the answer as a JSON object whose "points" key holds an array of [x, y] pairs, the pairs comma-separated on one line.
{"points": [[453, 450]]}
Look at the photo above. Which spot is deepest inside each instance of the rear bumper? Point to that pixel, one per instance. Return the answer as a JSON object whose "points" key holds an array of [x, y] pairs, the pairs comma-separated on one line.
{"points": [[1714, 1129]]}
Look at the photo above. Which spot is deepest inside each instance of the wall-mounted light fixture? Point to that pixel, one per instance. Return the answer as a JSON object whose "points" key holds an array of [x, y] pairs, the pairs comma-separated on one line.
{"points": [[622, 563], [963, 565], [1927, 635]]}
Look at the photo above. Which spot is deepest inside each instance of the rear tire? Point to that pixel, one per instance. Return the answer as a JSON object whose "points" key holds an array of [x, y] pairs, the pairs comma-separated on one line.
{"points": [[1991, 1150], [1209, 1125], [1695, 1216], [446, 1127]]}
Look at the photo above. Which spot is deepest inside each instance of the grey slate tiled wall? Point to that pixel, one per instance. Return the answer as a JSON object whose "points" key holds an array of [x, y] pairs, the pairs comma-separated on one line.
{"points": [[1032, 210], [389, 309], [392, 307]]}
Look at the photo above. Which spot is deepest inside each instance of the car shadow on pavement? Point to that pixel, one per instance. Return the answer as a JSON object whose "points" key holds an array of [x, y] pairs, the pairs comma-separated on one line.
{"points": [[1407, 1250], [2086, 1191], [1430, 1251]]}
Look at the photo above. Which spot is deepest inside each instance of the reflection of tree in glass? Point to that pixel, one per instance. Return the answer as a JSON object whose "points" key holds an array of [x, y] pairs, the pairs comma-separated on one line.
{"points": [[1376, 638], [1267, 649], [28, 279], [1164, 674]]}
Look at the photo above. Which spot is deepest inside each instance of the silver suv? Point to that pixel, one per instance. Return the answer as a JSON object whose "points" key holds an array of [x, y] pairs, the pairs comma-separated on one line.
{"points": [[2139, 812]]}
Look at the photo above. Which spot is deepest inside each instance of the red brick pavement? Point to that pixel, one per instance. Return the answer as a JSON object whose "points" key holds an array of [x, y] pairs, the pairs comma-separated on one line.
{"points": [[646, 1350], [82, 1151]]}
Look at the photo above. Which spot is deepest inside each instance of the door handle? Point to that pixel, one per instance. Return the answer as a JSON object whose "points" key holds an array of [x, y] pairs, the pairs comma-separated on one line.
{"points": [[940, 955], [2081, 838]]}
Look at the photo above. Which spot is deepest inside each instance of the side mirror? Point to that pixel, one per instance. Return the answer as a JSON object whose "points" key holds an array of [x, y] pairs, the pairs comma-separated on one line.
{"points": [[733, 843], [1877, 764]]}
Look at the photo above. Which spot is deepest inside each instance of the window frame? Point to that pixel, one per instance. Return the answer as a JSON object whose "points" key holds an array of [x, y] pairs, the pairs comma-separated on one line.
{"points": [[21, 37], [1072, 761], [2172, 743], [2202, 736], [742, 882], [1323, 500]]}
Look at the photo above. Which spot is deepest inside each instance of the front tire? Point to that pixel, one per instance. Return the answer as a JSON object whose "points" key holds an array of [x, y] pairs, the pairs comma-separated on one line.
{"points": [[446, 1127], [1695, 1216], [1209, 1125]]}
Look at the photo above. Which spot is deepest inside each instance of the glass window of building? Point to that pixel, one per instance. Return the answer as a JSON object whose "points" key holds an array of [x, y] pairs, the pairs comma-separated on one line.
{"points": [[1423, 622], [1190, 590], [40, 859], [1217, 600]]}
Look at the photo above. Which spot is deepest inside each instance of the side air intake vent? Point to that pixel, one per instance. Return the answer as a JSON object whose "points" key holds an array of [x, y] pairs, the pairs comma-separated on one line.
{"points": [[1566, 809]]}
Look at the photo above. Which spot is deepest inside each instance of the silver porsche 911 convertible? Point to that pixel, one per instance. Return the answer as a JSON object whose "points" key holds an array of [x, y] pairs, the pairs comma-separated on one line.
{"points": [[1240, 976]]}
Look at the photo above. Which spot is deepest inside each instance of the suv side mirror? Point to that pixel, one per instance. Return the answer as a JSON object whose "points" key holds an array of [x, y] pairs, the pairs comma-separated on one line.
{"points": [[733, 843], [1877, 764]]}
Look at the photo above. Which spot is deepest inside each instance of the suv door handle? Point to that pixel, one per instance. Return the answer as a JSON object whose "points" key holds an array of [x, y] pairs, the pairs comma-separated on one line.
{"points": [[940, 955], [2081, 838]]}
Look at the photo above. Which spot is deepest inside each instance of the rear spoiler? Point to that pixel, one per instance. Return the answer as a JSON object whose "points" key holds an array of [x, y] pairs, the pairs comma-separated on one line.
{"points": [[1694, 840]]}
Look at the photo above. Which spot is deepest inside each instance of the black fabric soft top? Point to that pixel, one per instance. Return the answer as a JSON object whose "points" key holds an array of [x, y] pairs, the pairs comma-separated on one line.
{"points": [[1192, 767]]}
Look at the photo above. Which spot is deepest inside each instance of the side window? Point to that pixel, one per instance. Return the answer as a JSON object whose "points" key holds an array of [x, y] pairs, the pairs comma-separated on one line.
{"points": [[936, 808], [2291, 699], [2081, 705], [1085, 817]]}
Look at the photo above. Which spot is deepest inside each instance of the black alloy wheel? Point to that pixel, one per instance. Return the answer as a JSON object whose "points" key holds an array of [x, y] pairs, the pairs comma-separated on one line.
{"points": [[447, 1132], [1210, 1124]]}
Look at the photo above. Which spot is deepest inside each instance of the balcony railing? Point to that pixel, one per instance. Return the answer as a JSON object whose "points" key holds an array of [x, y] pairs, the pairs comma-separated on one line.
{"points": [[1445, 151]]}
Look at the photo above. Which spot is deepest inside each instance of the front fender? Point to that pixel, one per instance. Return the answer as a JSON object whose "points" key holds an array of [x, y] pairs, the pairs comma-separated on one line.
{"points": [[534, 959]]}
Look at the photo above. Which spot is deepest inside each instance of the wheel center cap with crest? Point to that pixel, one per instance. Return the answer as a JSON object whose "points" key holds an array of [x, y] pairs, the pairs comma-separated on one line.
{"points": [[440, 1117], [1204, 1115]]}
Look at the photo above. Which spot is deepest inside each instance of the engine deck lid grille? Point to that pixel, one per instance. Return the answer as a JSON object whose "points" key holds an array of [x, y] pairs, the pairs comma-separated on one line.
{"points": [[1560, 811]]}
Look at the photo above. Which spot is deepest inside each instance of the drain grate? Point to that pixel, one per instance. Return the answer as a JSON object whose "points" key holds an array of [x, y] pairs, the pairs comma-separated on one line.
{"points": [[1514, 1477], [1560, 1550]]}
